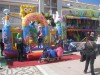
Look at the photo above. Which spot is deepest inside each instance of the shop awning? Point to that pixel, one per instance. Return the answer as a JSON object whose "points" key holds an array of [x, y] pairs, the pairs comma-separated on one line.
{"points": [[74, 17], [80, 30], [76, 13]]}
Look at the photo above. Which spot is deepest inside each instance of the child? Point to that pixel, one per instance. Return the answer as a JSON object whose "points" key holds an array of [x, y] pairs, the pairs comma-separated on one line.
{"points": [[52, 52], [60, 41], [59, 51], [45, 54]]}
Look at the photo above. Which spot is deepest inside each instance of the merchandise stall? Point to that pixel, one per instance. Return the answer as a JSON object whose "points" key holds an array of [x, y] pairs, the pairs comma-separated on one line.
{"points": [[79, 22]]}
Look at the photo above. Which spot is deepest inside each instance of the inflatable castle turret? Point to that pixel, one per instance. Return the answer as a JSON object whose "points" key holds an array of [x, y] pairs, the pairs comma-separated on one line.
{"points": [[6, 31], [58, 20]]}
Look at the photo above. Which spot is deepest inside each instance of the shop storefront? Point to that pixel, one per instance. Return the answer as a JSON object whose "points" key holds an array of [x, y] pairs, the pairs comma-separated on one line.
{"points": [[79, 22]]}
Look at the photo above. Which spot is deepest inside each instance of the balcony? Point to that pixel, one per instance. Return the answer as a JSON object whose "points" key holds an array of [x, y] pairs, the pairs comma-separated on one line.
{"points": [[21, 1]]}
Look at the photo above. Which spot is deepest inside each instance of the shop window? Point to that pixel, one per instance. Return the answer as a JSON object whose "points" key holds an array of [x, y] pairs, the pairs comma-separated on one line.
{"points": [[16, 10], [1, 9], [47, 2]]}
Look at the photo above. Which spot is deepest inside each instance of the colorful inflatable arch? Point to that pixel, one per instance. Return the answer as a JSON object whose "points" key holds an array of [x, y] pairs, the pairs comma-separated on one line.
{"points": [[31, 17], [34, 16]]}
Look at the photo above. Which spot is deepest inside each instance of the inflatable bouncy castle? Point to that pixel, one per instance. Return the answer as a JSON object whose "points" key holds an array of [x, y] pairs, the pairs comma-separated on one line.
{"points": [[28, 32]]}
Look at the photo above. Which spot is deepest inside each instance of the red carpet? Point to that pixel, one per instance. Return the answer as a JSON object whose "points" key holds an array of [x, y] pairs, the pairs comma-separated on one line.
{"points": [[15, 64]]}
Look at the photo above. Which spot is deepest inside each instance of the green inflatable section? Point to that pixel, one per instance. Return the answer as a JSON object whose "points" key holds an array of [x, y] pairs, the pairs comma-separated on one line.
{"points": [[33, 33]]}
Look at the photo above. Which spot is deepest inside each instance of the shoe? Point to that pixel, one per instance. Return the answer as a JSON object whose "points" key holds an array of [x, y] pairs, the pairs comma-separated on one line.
{"points": [[1, 68], [85, 72], [2, 55], [93, 74]]}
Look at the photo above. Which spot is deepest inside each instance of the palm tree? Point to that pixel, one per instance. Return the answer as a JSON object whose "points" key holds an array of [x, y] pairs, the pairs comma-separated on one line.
{"points": [[49, 18]]}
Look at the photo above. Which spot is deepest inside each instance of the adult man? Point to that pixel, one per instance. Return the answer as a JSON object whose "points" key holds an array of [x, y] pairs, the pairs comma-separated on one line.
{"points": [[20, 49], [90, 51], [59, 41], [2, 47]]}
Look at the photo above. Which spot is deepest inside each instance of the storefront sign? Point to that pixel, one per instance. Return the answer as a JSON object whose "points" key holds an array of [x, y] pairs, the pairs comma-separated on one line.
{"points": [[81, 12]]}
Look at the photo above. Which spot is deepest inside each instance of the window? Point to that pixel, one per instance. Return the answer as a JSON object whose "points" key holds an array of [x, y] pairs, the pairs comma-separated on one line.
{"points": [[1, 9], [47, 2], [16, 10]]}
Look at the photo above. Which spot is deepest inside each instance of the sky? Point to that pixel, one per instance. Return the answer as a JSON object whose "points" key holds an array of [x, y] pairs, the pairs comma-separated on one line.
{"points": [[96, 2]]}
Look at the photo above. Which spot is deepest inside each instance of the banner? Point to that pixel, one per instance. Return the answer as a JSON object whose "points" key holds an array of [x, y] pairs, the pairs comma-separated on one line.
{"points": [[81, 13]]}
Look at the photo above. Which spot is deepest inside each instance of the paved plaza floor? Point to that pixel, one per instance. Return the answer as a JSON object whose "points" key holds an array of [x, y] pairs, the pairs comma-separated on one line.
{"points": [[71, 67], [74, 67]]}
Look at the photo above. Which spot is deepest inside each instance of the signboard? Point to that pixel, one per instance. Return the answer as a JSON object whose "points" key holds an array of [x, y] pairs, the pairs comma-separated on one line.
{"points": [[81, 13]]}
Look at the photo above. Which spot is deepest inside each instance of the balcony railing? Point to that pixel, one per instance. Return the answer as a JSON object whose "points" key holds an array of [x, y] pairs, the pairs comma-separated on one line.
{"points": [[23, 1]]}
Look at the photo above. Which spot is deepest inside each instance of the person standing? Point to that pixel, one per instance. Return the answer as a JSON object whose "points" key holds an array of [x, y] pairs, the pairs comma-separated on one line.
{"points": [[2, 47], [40, 37], [92, 36], [90, 51], [98, 43], [20, 49], [59, 41]]}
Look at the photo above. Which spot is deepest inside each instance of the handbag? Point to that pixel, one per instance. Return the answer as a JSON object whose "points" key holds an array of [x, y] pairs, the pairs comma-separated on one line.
{"points": [[83, 56], [91, 44]]}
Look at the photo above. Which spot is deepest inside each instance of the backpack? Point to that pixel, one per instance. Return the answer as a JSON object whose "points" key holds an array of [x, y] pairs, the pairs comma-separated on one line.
{"points": [[89, 45]]}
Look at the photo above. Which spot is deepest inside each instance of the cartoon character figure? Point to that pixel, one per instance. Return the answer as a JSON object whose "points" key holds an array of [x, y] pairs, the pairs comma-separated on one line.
{"points": [[57, 20], [29, 31], [6, 33], [25, 9]]}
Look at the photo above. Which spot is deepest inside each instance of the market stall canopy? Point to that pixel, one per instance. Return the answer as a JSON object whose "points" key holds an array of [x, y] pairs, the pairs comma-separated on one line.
{"points": [[81, 14]]}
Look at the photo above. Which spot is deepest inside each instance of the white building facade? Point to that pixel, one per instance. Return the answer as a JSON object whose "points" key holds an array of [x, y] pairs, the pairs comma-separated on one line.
{"points": [[46, 6]]}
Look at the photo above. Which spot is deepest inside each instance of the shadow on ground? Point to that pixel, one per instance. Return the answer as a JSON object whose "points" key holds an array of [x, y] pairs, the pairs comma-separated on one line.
{"points": [[2, 61], [97, 71]]}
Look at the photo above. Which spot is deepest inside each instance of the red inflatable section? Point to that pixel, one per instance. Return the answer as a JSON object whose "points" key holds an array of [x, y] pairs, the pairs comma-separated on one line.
{"points": [[34, 55], [10, 54]]}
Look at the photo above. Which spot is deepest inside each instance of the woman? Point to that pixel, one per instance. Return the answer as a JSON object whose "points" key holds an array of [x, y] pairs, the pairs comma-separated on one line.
{"points": [[40, 37], [90, 51]]}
